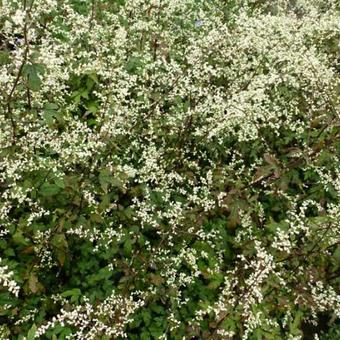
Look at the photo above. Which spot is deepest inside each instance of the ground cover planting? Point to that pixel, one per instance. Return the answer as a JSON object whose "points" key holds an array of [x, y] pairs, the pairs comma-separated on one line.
{"points": [[169, 169]]}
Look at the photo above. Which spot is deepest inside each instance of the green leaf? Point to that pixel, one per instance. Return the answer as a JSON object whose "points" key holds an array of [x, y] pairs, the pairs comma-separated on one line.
{"points": [[116, 182], [92, 107], [5, 57], [146, 317], [145, 335], [294, 326], [51, 106], [50, 113], [48, 118], [336, 254], [34, 82], [128, 246], [156, 330], [33, 79], [74, 294], [157, 309], [71, 292], [19, 239], [105, 178], [31, 333], [48, 189], [59, 182]]}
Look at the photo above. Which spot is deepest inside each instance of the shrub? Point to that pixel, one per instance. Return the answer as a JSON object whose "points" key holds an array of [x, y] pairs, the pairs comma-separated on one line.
{"points": [[169, 169]]}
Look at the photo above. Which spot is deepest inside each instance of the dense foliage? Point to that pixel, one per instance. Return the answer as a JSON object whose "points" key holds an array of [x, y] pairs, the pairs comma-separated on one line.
{"points": [[169, 169]]}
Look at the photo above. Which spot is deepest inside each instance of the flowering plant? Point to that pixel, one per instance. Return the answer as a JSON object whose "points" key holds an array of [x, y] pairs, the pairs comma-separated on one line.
{"points": [[169, 169]]}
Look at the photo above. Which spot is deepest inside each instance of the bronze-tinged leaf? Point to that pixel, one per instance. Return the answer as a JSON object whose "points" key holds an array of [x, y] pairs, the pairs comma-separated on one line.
{"points": [[270, 159], [200, 219], [15, 311], [60, 246], [284, 183], [96, 218], [61, 257], [262, 172], [277, 173], [28, 250], [293, 151], [319, 145], [155, 279], [33, 283], [316, 122], [233, 218]]}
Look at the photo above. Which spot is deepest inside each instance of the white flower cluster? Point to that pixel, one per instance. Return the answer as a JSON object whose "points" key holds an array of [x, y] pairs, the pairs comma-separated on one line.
{"points": [[6, 280], [194, 139], [88, 318]]}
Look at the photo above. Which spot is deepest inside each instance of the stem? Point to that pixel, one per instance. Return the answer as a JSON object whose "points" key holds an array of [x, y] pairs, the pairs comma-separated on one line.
{"points": [[19, 74]]}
